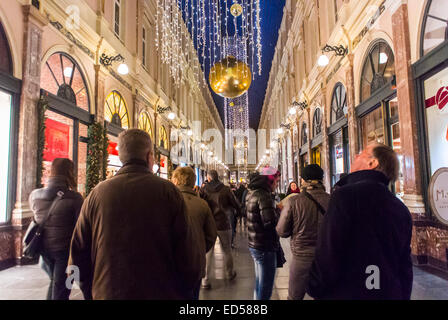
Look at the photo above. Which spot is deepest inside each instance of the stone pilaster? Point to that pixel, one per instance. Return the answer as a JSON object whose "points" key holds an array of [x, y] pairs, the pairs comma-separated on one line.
{"points": [[27, 140], [352, 118], [408, 128], [100, 94], [325, 152]]}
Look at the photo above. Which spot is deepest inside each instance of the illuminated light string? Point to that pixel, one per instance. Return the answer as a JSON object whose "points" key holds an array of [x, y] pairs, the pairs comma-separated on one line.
{"points": [[180, 22]]}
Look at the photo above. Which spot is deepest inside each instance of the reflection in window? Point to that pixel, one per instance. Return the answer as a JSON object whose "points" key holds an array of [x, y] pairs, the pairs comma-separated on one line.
{"points": [[338, 103], [62, 77], [116, 111], [378, 69], [435, 25], [372, 128]]}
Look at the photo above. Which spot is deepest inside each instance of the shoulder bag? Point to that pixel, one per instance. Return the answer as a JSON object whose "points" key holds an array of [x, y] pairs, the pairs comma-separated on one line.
{"points": [[32, 242]]}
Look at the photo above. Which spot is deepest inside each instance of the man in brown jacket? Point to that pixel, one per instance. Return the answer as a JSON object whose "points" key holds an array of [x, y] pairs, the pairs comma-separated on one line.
{"points": [[300, 219], [132, 239], [223, 204], [199, 215]]}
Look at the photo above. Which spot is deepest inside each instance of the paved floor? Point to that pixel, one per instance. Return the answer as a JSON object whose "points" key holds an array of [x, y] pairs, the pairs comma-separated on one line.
{"points": [[30, 282]]}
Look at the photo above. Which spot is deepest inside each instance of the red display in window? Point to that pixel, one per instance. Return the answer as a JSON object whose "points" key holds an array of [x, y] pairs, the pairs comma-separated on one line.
{"points": [[57, 140], [112, 149], [162, 163]]}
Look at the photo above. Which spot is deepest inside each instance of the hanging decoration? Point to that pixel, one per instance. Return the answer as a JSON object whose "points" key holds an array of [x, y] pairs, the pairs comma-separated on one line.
{"points": [[204, 27], [230, 78]]}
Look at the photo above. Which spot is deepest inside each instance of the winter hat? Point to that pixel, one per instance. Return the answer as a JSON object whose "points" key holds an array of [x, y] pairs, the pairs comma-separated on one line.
{"points": [[269, 171], [312, 172]]}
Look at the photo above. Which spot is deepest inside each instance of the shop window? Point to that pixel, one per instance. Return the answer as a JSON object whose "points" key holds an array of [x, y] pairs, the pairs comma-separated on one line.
{"points": [[144, 123], [436, 114], [163, 138], [144, 46], [378, 69], [372, 128], [304, 134], [116, 111], [5, 146], [339, 107], [5, 53], [117, 18], [62, 77], [435, 25], [317, 122]]}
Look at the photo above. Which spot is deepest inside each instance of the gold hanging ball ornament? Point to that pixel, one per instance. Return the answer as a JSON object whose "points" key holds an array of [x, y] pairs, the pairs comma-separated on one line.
{"points": [[236, 10], [230, 78]]}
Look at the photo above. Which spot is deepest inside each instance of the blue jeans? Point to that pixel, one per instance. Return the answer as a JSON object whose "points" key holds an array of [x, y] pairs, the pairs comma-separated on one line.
{"points": [[265, 267], [55, 265]]}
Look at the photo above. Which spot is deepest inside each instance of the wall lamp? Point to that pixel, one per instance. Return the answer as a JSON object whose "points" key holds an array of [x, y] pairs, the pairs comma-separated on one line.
{"points": [[286, 126], [107, 61], [162, 110], [189, 132], [338, 51]]}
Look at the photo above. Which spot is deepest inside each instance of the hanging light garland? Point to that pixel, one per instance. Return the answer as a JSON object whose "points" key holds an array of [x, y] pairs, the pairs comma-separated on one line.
{"points": [[205, 24]]}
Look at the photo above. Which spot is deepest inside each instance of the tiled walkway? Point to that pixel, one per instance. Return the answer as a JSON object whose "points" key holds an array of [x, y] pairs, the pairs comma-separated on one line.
{"points": [[30, 282]]}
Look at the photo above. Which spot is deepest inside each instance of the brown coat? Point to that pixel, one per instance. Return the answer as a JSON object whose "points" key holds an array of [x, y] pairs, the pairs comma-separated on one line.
{"points": [[300, 219], [202, 223], [222, 202], [132, 240]]}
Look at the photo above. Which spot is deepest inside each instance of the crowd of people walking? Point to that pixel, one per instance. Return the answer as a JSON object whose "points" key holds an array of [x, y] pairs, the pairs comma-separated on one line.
{"points": [[138, 236]]}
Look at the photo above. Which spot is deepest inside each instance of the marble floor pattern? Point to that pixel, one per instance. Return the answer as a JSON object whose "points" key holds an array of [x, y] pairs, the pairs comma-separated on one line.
{"points": [[31, 283]]}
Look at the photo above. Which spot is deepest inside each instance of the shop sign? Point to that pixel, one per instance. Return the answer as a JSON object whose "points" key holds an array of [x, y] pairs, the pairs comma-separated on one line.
{"points": [[57, 140], [438, 194]]}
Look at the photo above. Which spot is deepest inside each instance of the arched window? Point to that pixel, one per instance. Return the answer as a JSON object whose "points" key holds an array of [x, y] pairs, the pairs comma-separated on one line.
{"points": [[317, 122], [378, 69], [163, 138], [144, 123], [338, 103], [116, 111], [435, 25], [304, 134], [62, 77], [5, 53]]}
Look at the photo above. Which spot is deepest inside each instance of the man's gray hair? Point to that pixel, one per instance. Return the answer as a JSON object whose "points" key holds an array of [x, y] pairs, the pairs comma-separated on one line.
{"points": [[388, 161], [134, 144]]}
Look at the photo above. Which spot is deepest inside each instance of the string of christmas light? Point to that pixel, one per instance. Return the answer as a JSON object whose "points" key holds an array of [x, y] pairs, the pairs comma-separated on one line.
{"points": [[206, 23]]}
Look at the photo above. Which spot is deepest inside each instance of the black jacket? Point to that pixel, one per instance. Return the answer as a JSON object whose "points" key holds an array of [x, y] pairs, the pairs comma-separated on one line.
{"points": [[222, 202], [365, 225], [261, 216], [59, 228]]}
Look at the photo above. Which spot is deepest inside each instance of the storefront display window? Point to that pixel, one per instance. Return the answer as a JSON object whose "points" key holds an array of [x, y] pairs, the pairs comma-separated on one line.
{"points": [[316, 156], [163, 138], [5, 141], [116, 111], [435, 30], [436, 112], [114, 163], [372, 128]]}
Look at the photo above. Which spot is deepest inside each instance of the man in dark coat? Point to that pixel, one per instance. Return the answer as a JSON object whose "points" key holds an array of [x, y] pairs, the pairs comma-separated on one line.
{"points": [[224, 205], [363, 250], [132, 239]]}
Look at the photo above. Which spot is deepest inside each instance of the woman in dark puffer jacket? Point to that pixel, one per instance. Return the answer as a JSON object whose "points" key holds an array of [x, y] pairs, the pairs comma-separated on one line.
{"points": [[262, 219], [59, 228]]}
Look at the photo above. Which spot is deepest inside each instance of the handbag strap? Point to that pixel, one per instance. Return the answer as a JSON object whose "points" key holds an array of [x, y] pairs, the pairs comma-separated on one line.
{"points": [[319, 206], [59, 196]]}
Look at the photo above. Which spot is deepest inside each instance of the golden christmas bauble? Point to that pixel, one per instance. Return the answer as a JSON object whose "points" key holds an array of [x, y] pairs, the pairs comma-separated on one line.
{"points": [[236, 10], [230, 78]]}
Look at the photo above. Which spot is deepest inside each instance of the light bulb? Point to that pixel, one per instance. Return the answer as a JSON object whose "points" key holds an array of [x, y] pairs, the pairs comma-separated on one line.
{"points": [[292, 111], [171, 116], [383, 58], [280, 131], [323, 61], [123, 69], [190, 133], [68, 72]]}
